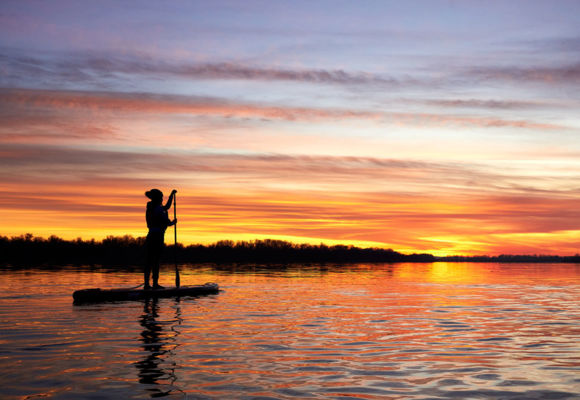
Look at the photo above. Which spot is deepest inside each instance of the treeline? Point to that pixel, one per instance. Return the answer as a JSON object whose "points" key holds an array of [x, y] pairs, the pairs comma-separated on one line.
{"points": [[127, 250], [30, 250]]}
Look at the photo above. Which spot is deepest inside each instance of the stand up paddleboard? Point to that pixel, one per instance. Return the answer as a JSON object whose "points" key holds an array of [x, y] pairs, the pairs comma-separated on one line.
{"points": [[104, 295]]}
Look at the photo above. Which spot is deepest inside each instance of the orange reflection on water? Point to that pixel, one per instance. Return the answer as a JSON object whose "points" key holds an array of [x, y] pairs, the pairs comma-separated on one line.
{"points": [[364, 331]]}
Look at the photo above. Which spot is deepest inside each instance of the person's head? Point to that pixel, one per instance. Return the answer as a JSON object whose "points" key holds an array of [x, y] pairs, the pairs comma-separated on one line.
{"points": [[155, 195]]}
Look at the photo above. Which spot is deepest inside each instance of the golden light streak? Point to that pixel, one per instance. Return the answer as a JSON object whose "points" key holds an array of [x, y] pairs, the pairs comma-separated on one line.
{"points": [[207, 215]]}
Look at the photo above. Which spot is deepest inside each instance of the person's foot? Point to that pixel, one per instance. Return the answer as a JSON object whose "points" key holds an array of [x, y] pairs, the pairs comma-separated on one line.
{"points": [[157, 286], [147, 286]]}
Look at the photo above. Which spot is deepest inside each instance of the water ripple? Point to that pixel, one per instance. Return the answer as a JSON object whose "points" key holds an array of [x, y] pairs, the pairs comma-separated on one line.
{"points": [[398, 332]]}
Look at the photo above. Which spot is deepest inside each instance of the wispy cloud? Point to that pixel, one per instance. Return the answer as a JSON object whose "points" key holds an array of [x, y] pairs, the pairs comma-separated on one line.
{"points": [[100, 71], [555, 44], [68, 164], [237, 71], [487, 104], [81, 68], [151, 103], [557, 74]]}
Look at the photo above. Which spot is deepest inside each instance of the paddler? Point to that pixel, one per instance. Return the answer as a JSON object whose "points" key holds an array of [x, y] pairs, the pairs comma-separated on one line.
{"points": [[157, 222]]}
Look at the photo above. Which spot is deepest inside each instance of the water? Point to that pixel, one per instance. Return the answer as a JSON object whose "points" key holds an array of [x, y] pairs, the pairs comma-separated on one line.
{"points": [[404, 331]]}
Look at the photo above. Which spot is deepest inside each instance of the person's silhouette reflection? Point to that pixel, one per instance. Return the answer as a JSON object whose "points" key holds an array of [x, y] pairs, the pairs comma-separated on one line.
{"points": [[156, 344]]}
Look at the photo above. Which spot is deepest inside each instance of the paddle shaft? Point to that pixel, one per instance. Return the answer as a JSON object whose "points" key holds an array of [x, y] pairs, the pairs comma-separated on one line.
{"points": [[175, 239]]}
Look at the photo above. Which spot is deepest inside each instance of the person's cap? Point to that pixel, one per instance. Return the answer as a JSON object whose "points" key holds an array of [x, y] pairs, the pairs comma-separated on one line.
{"points": [[154, 194]]}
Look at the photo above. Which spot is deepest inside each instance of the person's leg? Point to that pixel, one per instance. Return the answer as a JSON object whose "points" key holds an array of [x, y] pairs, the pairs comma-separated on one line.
{"points": [[149, 260], [158, 251], [156, 273], [147, 273]]}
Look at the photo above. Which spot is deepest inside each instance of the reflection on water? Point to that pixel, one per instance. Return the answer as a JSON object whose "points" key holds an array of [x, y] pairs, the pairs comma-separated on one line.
{"points": [[157, 346], [406, 331]]}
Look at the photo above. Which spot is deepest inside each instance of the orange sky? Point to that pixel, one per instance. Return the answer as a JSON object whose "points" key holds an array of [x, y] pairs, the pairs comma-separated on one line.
{"points": [[407, 136]]}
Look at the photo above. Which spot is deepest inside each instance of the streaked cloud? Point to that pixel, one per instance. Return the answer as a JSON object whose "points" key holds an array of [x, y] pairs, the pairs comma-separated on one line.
{"points": [[555, 44], [568, 74], [489, 104], [103, 70], [151, 103], [282, 171], [85, 68]]}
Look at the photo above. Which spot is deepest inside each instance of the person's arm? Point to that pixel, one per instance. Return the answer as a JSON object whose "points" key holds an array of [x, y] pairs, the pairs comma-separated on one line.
{"points": [[170, 200]]}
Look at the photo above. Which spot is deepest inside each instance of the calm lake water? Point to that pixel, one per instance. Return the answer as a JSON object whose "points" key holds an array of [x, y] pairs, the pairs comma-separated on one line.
{"points": [[403, 331]]}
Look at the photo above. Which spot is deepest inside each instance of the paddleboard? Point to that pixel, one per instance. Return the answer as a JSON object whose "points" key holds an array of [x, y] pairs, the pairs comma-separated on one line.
{"points": [[104, 295]]}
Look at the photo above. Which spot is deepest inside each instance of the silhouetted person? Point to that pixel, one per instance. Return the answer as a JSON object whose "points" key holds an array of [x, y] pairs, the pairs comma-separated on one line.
{"points": [[157, 222]]}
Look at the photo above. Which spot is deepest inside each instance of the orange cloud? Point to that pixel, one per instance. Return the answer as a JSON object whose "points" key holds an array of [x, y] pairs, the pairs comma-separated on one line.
{"points": [[443, 224]]}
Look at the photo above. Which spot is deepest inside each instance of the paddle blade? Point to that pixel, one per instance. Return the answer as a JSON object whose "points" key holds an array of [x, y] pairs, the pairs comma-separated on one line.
{"points": [[177, 282]]}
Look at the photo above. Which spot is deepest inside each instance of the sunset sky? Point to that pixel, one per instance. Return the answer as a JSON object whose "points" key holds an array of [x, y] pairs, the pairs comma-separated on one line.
{"points": [[449, 127]]}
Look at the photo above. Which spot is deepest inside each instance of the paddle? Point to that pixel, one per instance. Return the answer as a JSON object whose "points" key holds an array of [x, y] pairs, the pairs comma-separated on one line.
{"points": [[175, 240]]}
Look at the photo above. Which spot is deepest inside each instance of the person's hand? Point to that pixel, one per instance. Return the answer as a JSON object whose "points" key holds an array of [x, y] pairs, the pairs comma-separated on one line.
{"points": [[174, 221], [173, 191]]}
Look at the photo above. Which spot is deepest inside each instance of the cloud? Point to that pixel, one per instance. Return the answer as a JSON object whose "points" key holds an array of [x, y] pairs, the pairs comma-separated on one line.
{"points": [[487, 104], [556, 44], [81, 68], [237, 71], [17, 69], [204, 106], [31, 124], [102, 71], [152, 103], [403, 221], [559, 74], [51, 163], [74, 163], [393, 201]]}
